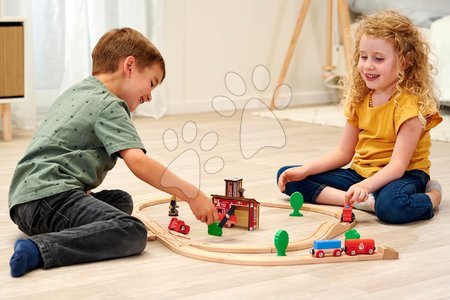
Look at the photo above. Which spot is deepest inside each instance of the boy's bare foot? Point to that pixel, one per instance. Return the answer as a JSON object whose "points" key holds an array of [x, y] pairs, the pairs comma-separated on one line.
{"points": [[434, 191]]}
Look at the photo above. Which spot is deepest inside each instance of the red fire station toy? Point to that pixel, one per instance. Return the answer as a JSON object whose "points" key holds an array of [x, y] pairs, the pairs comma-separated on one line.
{"points": [[247, 209]]}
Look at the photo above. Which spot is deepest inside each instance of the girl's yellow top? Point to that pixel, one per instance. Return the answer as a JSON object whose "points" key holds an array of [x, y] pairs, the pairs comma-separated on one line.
{"points": [[378, 132]]}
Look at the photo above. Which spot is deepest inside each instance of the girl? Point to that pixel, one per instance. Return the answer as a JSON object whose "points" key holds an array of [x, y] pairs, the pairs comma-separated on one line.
{"points": [[390, 108]]}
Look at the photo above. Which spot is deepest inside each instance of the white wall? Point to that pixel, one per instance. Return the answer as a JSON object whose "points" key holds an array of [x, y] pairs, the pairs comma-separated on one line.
{"points": [[202, 40]]}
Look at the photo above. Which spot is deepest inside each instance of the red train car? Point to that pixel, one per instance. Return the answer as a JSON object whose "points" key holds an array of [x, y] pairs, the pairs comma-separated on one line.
{"points": [[347, 214], [179, 226], [359, 246]]}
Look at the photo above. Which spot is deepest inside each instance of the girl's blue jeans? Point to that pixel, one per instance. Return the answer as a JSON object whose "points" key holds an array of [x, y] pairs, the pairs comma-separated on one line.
{"points": [[75, 227], [400, 201]]}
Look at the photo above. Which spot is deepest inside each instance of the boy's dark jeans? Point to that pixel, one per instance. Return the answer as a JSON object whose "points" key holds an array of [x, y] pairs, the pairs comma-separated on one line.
{"points": [[74, 227]]}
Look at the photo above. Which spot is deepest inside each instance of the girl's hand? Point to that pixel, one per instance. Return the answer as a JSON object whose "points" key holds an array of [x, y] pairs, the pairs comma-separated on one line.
{"points": [[356, 193], [291, 174]]}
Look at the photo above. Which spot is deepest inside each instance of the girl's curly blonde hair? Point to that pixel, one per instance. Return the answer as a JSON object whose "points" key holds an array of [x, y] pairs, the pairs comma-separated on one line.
{"points": [[414, 70]]}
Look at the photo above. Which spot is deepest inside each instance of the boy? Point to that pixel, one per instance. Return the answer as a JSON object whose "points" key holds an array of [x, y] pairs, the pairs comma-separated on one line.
{"points": [[86, 130]]}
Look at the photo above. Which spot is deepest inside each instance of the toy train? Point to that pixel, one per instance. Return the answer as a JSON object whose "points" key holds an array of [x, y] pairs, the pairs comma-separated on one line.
{"points": [[347, 214], [179, 226], [351, 247], [327, 248]]}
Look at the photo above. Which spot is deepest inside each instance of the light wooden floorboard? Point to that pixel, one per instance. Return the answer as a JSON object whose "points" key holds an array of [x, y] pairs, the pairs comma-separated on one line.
{"points": [[422, 272]]}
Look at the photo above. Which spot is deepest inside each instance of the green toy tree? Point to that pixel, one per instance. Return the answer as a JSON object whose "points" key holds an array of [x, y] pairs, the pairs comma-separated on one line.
{"points": [[281, 241], [215, 229], [296, 202], [352, 234]]}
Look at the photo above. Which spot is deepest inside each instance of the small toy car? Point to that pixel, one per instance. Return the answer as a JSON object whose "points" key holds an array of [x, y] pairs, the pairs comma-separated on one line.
{"points": [[179, 226]]}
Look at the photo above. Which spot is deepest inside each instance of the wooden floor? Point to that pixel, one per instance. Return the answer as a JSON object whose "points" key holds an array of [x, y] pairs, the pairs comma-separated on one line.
{"points": [[422, 272]]}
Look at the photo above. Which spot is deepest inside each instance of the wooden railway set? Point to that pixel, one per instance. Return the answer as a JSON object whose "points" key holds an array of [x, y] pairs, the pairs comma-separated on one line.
{"points": [[250, 254]]}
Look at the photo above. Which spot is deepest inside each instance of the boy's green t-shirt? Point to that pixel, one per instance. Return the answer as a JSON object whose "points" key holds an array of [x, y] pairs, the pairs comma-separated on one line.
{"points": [[76, 145]]}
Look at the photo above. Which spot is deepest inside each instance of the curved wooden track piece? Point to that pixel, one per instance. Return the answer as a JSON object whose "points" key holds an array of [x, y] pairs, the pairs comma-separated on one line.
{"points": [[240, 254]]}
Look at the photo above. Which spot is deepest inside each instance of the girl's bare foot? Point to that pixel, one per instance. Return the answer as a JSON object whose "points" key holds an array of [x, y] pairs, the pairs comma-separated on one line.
{"points": [[434, 191], [368, 205]]}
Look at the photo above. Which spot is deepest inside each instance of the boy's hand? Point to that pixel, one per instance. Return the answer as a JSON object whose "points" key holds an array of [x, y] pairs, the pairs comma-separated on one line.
{"points": [[140, 164], [292, 174], [203, 209]]}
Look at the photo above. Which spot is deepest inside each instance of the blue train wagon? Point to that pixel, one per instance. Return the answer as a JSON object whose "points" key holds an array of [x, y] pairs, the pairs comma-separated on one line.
{"points": [[327, 248]]}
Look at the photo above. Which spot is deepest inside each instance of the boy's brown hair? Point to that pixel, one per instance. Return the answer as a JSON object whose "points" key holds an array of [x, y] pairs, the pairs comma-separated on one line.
{"points": [[120, 43]]}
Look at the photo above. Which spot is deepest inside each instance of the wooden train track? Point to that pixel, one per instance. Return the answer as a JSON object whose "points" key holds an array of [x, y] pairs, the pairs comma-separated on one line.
{"points": [[251, 254]]}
